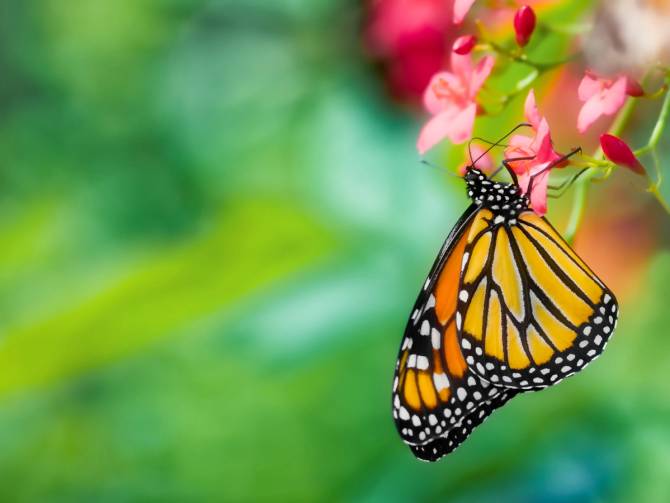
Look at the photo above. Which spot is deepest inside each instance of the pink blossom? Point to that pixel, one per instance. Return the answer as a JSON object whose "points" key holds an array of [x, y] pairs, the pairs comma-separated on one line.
{"points": [[617, 151], [461, 9], [481, 159], [603, 97], [450, 98], [541, 157]]}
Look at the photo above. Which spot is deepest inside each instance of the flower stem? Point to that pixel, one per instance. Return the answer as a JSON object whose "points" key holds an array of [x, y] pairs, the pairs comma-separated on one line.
{"points": [[660, 122], [582, 185]]}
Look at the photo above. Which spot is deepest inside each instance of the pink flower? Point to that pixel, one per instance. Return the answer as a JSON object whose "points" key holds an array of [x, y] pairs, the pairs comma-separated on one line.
{"points": [[616, 150], [603, 97], [481, 159], [461, 8], [541, 157], [450, 98], [465, 44], [524, 24]]}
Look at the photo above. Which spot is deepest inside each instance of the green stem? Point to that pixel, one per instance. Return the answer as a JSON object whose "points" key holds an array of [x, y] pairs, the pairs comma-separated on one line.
{"points": [[660, 123], [578, 206], [523, 59], [656, 133], [582, 185]]}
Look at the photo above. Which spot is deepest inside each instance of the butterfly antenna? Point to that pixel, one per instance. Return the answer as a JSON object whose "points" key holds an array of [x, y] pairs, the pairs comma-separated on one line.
{"points": [[489, 142], [428, 163], [497, 143]]}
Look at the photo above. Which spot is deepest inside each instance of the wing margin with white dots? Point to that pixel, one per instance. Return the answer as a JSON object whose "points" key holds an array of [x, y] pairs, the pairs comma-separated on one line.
{"points": [[439, 447]]}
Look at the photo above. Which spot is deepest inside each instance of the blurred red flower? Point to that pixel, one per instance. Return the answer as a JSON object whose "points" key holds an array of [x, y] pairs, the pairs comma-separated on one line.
{"points": [[450, 98], [540, 155], [412, 39]]}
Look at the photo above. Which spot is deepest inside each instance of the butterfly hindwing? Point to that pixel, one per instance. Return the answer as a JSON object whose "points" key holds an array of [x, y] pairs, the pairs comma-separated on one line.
{"points": [[531, 311], [443, 445]]}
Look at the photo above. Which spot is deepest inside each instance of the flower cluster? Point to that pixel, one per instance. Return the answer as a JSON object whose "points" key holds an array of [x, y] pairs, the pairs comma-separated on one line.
{"points": [[460, 92]]}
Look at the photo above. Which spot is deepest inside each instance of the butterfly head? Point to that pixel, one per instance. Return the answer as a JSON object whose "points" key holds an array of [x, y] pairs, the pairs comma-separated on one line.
{"points": [[504, 199]]}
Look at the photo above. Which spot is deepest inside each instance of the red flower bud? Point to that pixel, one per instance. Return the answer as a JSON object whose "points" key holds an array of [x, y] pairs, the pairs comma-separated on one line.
{"points": [[633, 88], [524, 24], [464, 44], [616, 150]]}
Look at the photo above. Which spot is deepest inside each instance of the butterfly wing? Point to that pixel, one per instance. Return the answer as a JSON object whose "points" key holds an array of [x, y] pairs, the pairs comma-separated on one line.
{"points": [[445, 444], [532, 312], [434, 392]]}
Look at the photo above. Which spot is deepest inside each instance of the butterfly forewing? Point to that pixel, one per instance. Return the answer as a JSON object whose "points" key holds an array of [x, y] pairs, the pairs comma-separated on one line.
{"points": [[532, 312]]}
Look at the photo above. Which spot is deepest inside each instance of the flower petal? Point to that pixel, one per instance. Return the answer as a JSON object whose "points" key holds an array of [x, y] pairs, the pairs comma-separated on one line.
{"points": [[462, 124], [538, 193], [613, 98], [520, 142], [461, 8], [430, 99], [480, 74], [543, 145], [436, 130], [461, 66], [589, 113], [530, 110], [589, 86]]}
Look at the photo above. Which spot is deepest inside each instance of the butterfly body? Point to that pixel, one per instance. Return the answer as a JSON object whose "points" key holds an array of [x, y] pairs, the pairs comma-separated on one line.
{"points": [[507, 307]]}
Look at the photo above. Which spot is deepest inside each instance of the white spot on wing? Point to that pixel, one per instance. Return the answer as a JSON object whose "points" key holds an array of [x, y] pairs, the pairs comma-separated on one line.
{"points": [[466, 255], [435, 338], [411, 361], [425, 328], [441, 381]]}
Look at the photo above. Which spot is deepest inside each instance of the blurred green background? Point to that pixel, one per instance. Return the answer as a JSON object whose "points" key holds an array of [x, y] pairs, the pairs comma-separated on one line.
{"points": [[213, 224]]}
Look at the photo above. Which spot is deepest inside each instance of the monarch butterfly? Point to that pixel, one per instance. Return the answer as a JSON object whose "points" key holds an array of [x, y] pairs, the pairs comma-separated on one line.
{"points": [[508, 307]]}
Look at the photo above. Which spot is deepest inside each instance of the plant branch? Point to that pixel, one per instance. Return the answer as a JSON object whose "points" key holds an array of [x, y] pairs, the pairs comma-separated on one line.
{"points": [[581, 190]]}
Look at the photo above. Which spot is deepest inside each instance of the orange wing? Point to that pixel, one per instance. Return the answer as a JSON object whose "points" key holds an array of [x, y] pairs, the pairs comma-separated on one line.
{"points": [[437, 400]]}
